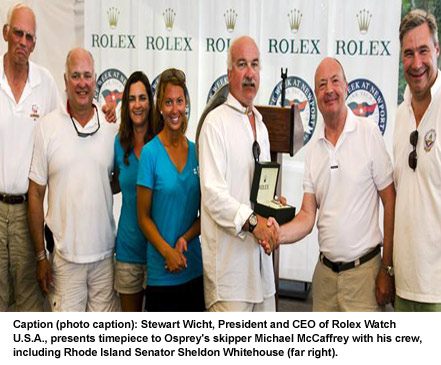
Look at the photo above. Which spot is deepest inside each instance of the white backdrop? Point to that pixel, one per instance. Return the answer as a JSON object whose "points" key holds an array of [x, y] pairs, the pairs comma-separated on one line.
{"points": [[193, 35]]}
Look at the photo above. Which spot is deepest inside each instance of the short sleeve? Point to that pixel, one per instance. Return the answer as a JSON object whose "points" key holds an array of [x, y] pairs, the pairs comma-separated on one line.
{"points": [[39, 165], [146, 169], [382, 171], [308, 186]]}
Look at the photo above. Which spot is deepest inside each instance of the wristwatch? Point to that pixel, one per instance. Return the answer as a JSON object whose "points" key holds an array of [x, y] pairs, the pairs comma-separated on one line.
{"points": [[252, 222], [389, 270]]}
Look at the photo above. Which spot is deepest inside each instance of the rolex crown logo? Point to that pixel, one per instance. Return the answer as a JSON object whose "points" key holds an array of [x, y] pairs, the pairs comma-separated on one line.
{"points": [[364, 19], [295, 18], [169, 18], [112, 16], [230, 19]]}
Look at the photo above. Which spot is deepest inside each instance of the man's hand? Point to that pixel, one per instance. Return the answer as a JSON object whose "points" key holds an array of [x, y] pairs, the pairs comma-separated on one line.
{"points": [[109, 111], [44, 275], [266, 236], [385, 288]]}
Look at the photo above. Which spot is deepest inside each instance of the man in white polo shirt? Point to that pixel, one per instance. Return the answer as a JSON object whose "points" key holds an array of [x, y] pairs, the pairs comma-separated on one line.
{"points": [[27, 93], [417, 156], [347, 167], [73, 156]]}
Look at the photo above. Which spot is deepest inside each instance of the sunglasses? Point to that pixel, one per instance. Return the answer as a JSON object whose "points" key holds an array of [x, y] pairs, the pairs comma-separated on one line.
{"points": [[413, 158], [256, 151], [84, 135], [19, 33]]}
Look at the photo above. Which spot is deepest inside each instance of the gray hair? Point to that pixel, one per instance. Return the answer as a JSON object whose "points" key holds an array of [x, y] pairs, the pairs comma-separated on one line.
{"points": [[233, 43], [16, 7], [415, 18]]}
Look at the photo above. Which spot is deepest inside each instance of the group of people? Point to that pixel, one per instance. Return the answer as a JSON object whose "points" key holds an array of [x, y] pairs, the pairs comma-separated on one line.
{"points": [[169, 201]]}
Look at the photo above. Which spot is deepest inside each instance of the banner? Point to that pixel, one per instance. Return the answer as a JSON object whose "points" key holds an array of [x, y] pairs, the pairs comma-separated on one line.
{"points": [[293, 35]]}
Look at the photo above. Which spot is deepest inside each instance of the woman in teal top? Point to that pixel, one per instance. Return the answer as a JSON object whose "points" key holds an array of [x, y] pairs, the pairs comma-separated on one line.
{"points": [[135, 130], [168, 204]]}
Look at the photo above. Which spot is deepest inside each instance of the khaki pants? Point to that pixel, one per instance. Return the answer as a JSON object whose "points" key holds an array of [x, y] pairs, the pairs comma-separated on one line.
{"points": [[17, 260], [82, 287], [268, 305], [406, 305], [352, 290]]}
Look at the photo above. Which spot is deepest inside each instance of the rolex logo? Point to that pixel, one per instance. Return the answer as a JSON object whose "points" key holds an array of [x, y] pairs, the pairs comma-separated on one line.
{"points": [[169, 18], [295, 18], [112, 16], [230, 19], [364, 19]]}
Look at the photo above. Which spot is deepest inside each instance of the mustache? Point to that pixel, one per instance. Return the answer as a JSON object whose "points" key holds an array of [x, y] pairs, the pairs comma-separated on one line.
{"points": [[248, 82]]}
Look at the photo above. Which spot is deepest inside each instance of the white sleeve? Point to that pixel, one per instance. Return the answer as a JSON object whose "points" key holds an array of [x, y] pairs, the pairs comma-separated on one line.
{"points": [[382, 171], [308, 185], [39, 165], [223, 208]]}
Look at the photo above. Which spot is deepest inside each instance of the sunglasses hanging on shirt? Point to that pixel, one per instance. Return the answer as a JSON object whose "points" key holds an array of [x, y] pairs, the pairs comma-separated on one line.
{"points": [[413, 158]]}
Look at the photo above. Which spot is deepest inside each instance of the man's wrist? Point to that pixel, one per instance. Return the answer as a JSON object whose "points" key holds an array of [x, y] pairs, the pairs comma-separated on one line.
{"points": [[252, 222], [41, 256]]}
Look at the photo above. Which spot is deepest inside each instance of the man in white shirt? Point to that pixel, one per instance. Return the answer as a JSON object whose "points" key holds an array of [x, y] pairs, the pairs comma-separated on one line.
{"points": [[73, 157], [238, 275], [417, 156], [347, 167], [27, 93]]}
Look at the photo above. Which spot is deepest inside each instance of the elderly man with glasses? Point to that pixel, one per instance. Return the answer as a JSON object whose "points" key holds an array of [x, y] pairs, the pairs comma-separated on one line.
{"points": [[238, 275], [417, 156], [27, 93], [73, 157]]}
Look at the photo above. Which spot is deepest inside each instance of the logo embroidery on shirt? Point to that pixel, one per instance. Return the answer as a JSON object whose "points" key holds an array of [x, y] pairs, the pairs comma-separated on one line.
{"points": [[196, 171], [35, 113], [429, 140]]}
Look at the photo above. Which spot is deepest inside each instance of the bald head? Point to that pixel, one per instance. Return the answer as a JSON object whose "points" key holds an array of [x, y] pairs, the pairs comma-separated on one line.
{"points": [[19, 32], [80, 79], [331, 89], [244, 70], [237, 43], [23, 9]]}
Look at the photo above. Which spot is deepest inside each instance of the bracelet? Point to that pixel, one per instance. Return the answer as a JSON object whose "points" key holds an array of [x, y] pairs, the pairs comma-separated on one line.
{"points": [[40, 256]]}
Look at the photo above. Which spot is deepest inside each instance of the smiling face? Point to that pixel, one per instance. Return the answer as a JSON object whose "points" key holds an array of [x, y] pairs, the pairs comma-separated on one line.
{"points": [[80, 79], [138, 104], [173, 107], [244, 76], [331, 88], [419, 54], [20, 35]]}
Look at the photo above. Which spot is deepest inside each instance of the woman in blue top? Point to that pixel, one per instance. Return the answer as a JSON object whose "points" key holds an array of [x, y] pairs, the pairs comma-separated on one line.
{"points": [[168, 204], [135, 130]]}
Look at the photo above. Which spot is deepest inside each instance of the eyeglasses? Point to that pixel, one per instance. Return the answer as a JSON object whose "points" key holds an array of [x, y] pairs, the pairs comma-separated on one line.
{"points": [[19, 33], [173, 73], [413, 158], [256, 151], [84, 135]]}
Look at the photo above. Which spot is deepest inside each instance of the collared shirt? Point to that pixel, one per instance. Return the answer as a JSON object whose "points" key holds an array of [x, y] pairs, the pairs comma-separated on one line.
{"points": [[77, 172], [345, 180], [235, 266], [17, 125], [417, 237]]}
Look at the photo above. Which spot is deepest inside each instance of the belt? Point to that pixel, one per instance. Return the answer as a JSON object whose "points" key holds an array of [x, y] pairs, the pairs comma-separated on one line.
{"points": [[340, 266], [13, 199]]}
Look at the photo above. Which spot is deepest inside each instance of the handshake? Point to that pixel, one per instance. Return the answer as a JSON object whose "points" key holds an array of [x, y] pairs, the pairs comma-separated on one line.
{"points": [[267, 234]]}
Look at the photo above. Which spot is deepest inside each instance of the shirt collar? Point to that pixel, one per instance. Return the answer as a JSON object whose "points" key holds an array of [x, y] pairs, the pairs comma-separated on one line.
{"points": [[350, 125], [233, 103]]}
